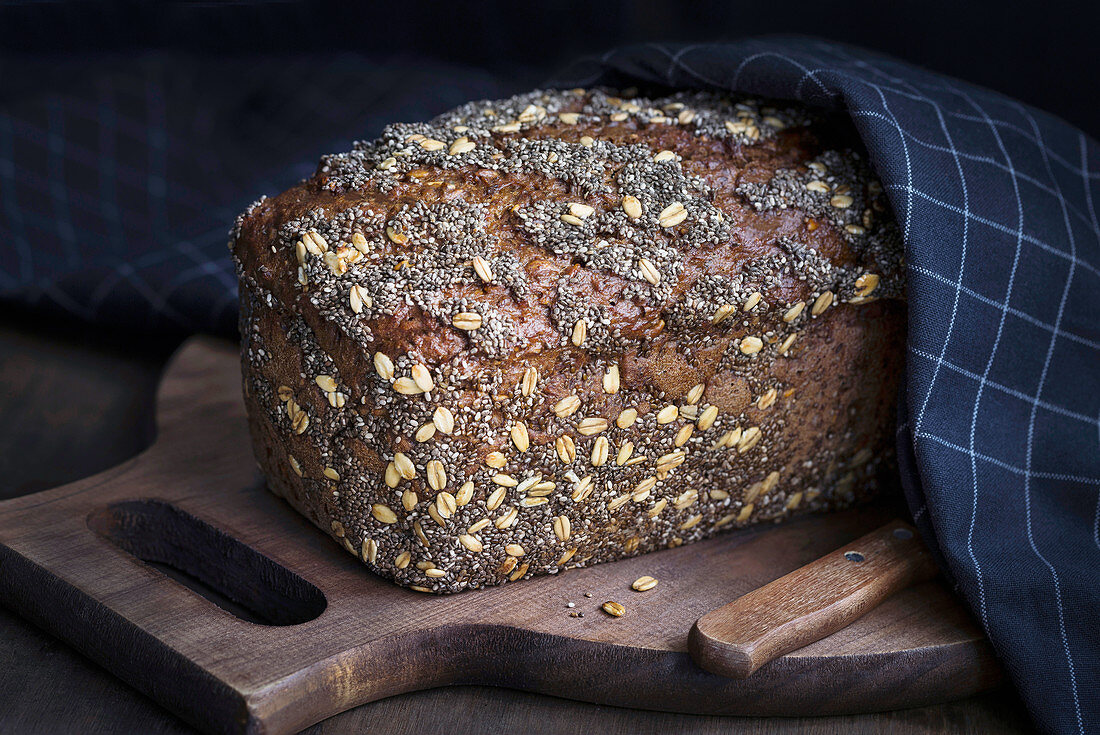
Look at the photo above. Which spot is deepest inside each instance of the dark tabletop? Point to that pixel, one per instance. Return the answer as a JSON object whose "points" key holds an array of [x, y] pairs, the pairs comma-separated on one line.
{"points": [[76, 402]]}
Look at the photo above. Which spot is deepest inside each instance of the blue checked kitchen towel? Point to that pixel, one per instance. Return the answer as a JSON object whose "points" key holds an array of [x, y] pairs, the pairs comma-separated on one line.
{"points": [[118, 182]]}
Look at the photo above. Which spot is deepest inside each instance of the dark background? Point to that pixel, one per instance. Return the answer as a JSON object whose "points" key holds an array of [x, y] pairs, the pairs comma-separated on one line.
{"points": [[1044, 53]]}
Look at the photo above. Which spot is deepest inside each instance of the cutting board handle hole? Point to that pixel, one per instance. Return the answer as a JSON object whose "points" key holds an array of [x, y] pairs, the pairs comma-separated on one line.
{"points": [[209, 562], [853, 556]]}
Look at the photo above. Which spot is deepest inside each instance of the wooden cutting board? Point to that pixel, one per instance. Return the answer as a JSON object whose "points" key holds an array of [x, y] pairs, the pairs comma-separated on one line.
{"points": [[302, 631]]}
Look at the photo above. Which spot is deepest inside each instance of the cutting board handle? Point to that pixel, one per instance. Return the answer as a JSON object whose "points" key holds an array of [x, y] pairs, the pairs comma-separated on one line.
{"points": [[811, 602]]}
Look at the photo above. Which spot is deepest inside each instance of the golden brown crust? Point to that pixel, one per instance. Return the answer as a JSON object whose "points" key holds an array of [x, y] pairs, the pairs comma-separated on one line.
{"points": [[447, 329]]}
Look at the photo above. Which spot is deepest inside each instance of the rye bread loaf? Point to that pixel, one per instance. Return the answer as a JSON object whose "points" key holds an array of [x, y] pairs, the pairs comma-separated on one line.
{"points": [[569, 327]]}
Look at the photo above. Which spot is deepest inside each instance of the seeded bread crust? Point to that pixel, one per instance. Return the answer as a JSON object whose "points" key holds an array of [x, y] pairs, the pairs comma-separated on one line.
{"points": [[568, 327]]}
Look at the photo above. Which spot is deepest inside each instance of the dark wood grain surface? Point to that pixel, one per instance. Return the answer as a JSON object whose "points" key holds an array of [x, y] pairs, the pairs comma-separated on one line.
{"points": [[77, 403], [805, 605]]}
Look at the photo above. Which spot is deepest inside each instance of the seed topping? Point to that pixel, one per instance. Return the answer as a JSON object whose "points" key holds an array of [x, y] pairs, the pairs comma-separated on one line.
{"points": [[632, 207], [613, 609], [672, 215]]}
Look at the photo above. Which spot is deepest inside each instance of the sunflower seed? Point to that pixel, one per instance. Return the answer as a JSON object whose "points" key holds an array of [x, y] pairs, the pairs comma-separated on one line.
{"points": [[668, 414], [611, 380], [686, 498], [580, 331], [392, 476], [591, 426], [707, 418], [767, 399], [632, 207], [691, 522], [567, 450], [657, 508], [505, 480], [530, 380], [729, 439], [722, 313], [786, 344], [528, 483], [404, 465], [866, 283], [465, 493], [567, 406], [443, 419], [506, 519], [358, 298], [396, 237], [437, 476], [422, 377], [672, 215], [671, 461], [794, 311], [643, 488], [749, 439], [599, 451], [823, 302], [425, 432], [627, 418], [613, 609], [319, 244], [582, 489], [580, 210], [406, 387], [649, 272], [460, 146], [467, 320], [751, 345], [561, 528], [471, 543], [383, 513], [383, 366], [482, 268], [496, 498], [616, 503]]}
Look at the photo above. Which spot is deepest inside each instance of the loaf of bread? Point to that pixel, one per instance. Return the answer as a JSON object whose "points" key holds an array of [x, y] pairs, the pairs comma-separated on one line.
{"points": [[572, 326]]}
